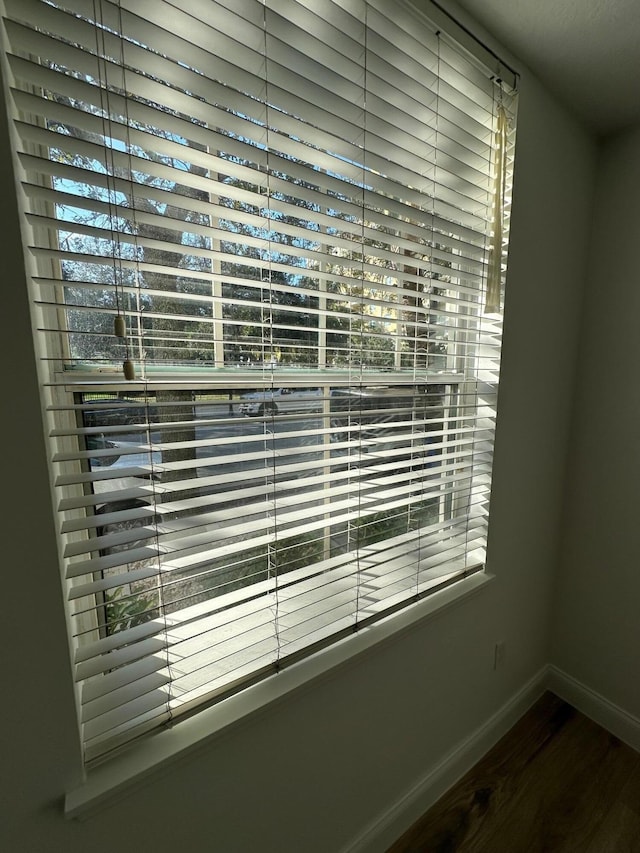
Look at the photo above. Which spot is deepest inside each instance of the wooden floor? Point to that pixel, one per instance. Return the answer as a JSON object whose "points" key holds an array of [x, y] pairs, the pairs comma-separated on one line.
{"points": [[556, 782]]}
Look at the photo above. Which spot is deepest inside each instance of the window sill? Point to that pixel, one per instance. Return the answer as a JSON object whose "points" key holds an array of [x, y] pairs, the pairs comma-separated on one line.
{"points": [[113, 778]]}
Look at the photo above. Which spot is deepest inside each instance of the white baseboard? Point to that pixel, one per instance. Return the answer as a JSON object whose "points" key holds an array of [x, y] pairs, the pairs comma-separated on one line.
{"points": [[381, 833], [593, 705]]}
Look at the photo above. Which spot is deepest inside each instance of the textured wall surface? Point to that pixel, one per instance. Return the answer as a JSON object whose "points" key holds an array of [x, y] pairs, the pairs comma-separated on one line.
{"points": [[596, 625], [584, 50]]}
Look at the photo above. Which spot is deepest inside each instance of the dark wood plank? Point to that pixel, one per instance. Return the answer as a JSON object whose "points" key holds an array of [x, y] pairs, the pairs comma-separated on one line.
{"points": [[564, 796], [620, 830], [549, 784]]}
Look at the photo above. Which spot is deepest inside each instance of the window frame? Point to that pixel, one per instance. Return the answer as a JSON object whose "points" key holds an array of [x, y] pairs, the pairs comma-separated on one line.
{"points": [[60, 395], [126, 770]]}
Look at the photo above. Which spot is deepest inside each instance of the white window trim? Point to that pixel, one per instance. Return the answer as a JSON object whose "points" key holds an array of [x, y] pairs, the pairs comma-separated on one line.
{"points": [[111, 779]]}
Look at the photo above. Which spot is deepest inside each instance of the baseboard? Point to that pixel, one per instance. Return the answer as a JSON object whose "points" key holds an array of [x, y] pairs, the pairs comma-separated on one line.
{"points": [[593, 705], [381, 833]]}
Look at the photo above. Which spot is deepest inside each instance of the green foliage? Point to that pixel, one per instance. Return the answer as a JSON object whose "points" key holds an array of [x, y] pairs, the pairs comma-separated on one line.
{"points": [[125, 611], [385, 525], [297, 552]]}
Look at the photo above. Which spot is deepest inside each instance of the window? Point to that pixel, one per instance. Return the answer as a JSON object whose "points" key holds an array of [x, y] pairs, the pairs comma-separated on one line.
{"points": [[267, 245]]}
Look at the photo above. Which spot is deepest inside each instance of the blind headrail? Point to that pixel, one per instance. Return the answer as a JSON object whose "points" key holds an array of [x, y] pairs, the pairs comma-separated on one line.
{"points": [[465, 38]]}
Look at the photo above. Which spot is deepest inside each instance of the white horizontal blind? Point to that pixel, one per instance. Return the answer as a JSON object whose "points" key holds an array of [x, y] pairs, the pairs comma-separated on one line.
{"points": [[290, 207]]}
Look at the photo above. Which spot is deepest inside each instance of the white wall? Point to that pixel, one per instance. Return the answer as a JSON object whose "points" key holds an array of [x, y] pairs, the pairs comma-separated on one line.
{"points": [[597, 622], [311, 774]]}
